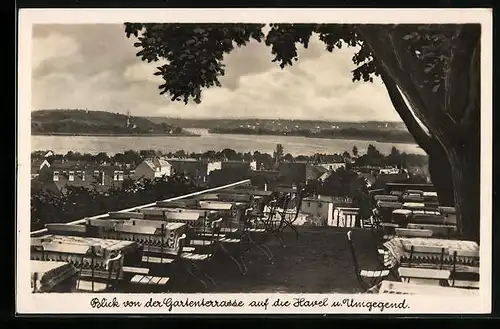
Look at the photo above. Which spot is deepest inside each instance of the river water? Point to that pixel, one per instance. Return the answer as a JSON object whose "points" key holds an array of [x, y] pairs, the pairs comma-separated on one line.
{"points": [[240, 143]]}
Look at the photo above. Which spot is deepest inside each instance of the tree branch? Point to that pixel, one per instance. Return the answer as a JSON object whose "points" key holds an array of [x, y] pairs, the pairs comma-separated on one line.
{"points": [[462, 73], [420, 136], [378, 38]]}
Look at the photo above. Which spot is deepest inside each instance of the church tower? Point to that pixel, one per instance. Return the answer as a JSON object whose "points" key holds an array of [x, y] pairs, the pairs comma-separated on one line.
{"points": [[128, 120]]}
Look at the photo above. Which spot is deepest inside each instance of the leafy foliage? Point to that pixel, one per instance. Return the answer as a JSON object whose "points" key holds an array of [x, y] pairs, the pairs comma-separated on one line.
{"points": [[78, 202], [194, 53]]}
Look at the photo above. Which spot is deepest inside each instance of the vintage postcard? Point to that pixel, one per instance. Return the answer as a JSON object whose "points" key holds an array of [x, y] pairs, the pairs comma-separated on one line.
{"points": [[316, 161]]}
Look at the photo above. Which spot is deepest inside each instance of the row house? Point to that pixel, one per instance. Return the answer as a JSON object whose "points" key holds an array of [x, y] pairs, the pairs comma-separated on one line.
{"points": [[166, 167], [74, 173], [231, 164], [153, 168], [196, 169], [332, 166]]}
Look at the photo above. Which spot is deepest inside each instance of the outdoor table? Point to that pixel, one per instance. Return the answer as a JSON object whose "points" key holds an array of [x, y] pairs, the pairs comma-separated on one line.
{"points": [[434, 253], [413, 205], [126, 215], [228, 197], [423, 218], [96, 258], [423, 275], [437, 230], [184, 203], [412, 232], [392, 287], [154, 235], [384, 197], [415, 192], [262, 193], [52, 276], [413, 198], [191, 216]]}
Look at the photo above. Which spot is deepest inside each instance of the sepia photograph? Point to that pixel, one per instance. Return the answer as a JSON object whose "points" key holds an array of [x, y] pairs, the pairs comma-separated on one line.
{"points": [[321, 162]]}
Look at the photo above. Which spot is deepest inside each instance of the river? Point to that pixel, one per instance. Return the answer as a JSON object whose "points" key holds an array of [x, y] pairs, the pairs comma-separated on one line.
{"points": [[240, 143]]}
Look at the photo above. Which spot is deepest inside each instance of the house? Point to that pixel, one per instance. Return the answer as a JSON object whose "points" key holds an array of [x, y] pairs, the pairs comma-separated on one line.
{"points": [[344, 217], [293, 172], [323, 207], [196, 169], [213, 165], [314, 172], [48, 154], [37, 166], [242, 165], [369, 179], [62, 174], [333, 166], [383, 179], [153, 168]]}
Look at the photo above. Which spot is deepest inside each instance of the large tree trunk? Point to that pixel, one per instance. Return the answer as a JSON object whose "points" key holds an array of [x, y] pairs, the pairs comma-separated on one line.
{"points": [[466, 181], [439, 166], [452, 114], [441, 173]]}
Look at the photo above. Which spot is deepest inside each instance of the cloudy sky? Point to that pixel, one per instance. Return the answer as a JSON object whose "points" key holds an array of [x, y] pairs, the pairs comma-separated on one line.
{"points": [[95, 67]]}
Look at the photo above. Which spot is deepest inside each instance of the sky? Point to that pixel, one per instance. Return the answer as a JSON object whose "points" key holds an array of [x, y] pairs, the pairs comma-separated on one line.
{"points": [[93, 66]]}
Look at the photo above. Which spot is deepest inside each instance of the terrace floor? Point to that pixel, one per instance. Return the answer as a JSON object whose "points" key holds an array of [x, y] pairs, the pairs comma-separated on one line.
{"points": [[319, 262]]}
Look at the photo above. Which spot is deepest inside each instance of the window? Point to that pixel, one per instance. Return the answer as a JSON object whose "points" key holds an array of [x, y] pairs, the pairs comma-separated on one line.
{"points": [[96, 173], [309, 204], [71, 176], [320, 205], [115, 175], [56, 176], [120, 175], [83, 176]]}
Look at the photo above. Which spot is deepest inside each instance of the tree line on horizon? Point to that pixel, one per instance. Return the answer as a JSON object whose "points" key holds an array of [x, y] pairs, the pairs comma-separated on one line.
{"points": [[265, 160]]}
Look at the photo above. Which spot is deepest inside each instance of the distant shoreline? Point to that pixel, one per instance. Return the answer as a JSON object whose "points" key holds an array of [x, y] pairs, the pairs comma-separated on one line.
{"points": [[116, 135], [361, 138], [366, 139]]}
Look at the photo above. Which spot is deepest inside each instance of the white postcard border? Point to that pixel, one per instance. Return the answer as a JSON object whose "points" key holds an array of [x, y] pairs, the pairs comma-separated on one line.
{"points": [[27, 302]]}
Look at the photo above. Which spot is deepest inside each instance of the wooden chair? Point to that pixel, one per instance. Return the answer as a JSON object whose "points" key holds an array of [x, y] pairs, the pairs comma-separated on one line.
{"points": [[94, 283], [366, 278], [164, 268], [296, 201], [229, 242], [200, 251], [258, 226]]}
